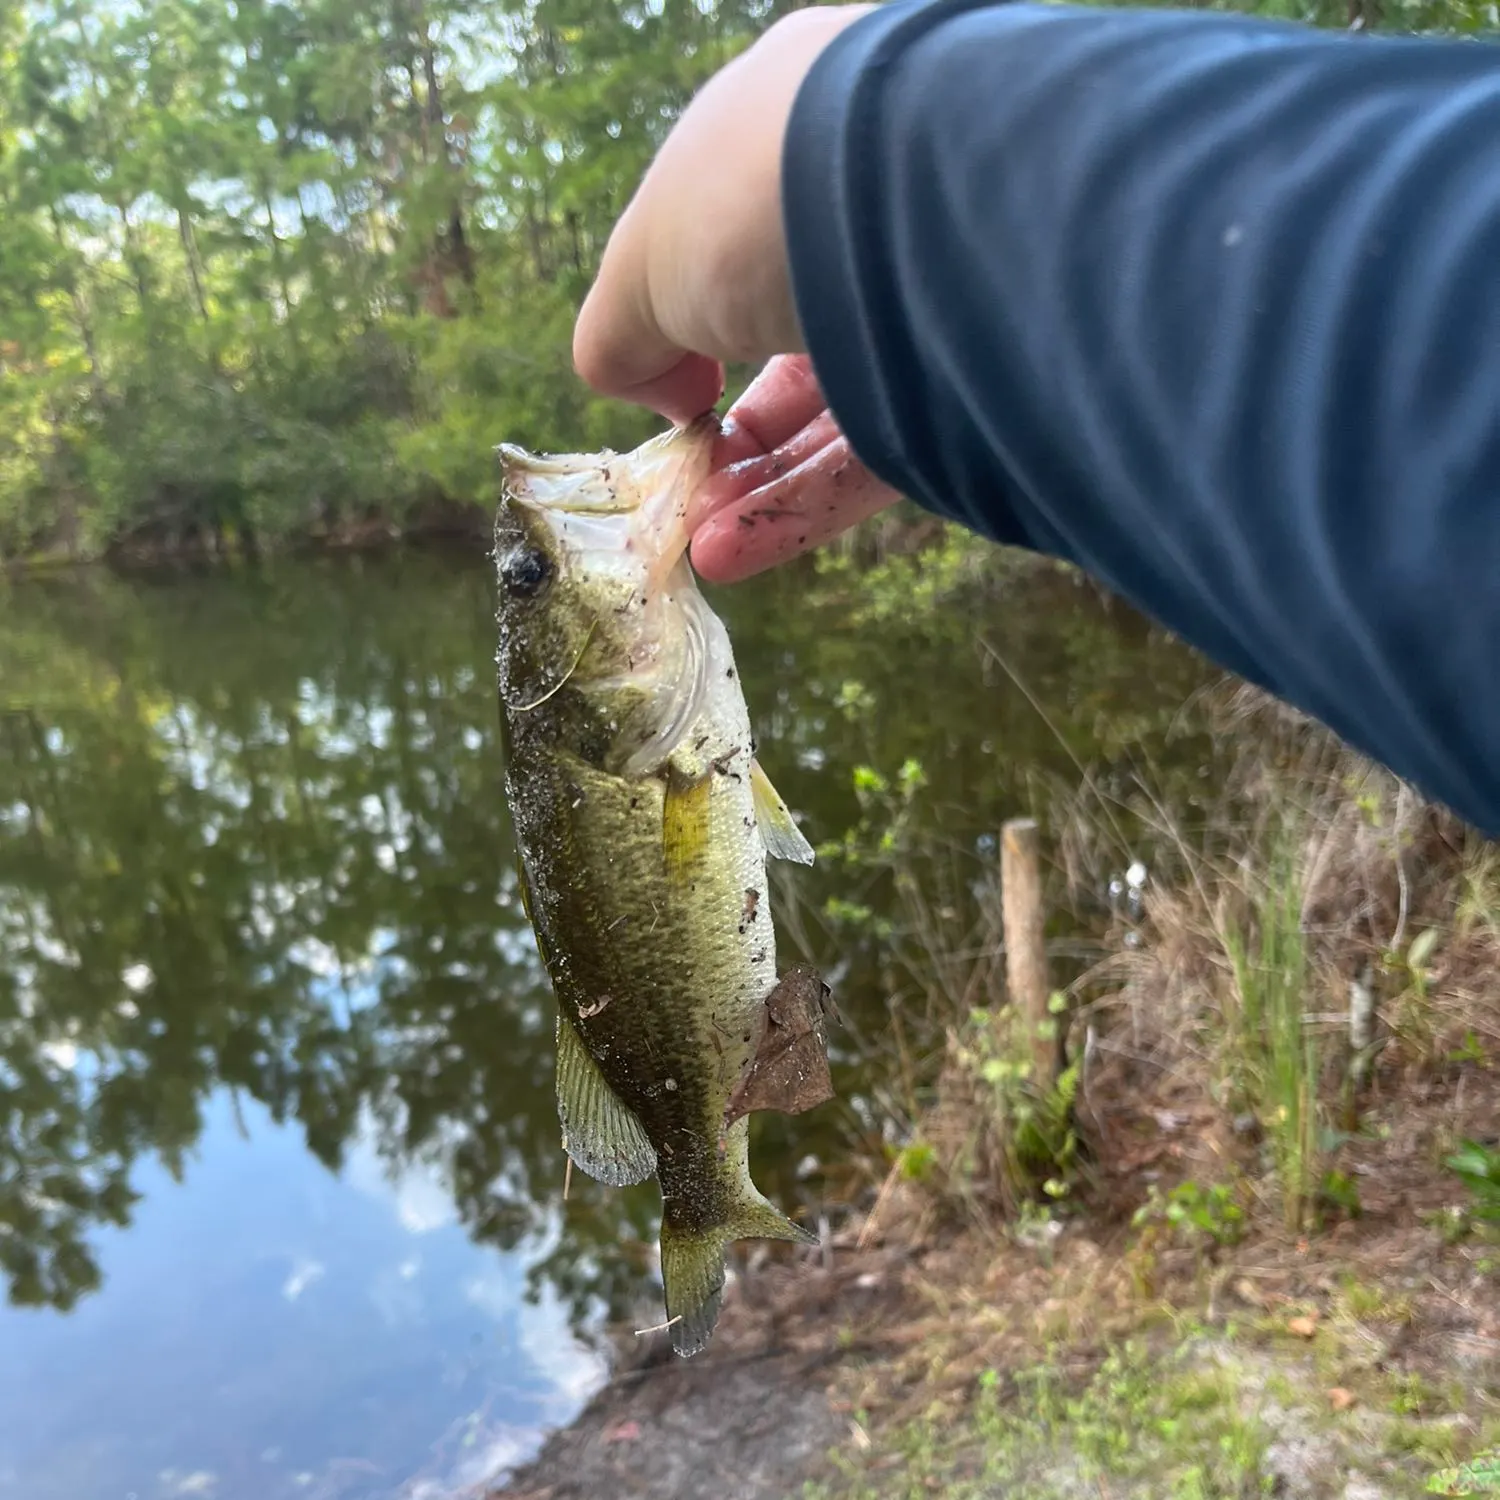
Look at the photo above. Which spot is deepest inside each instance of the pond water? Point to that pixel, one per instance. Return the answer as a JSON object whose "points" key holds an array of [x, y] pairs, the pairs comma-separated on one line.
{"points": [[281, 1197]]}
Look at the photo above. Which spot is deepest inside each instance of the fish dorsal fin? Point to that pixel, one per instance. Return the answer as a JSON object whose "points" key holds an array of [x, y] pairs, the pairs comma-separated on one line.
{"points": [[601, 1135], [783, 839], [685, 823]]}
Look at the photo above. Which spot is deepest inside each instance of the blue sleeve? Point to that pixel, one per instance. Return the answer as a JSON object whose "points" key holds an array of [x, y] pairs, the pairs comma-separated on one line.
{"points": [[1206, 305]]}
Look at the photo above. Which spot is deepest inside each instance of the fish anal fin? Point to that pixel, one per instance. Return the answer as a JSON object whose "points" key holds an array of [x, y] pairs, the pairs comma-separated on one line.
{"points": [[601, 1135], [778, 829], [685, 823]]}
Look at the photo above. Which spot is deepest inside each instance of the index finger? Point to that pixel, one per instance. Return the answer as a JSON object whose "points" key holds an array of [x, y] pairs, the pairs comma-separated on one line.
{"points": [[774, 407]]}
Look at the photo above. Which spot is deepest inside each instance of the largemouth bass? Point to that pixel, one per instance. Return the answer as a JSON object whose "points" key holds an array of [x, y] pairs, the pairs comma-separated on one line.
{"points": [[644, 824]]}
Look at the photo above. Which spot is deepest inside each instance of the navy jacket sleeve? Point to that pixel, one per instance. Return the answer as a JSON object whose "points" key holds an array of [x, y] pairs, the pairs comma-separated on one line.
{"points": [[1206, 305]]}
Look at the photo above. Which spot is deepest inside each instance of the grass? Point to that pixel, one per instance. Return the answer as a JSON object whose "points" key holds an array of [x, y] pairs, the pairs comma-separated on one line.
{"points": [[1273, 1051], [1188, 1411], [1168, 1424]]}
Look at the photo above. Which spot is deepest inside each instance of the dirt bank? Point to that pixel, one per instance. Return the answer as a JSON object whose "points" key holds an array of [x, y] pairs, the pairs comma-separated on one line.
{"points": [[755, 1415]]}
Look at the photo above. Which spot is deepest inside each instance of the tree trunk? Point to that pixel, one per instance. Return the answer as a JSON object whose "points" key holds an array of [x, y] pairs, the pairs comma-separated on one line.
{"points": [[97, 391], [190, 257]]}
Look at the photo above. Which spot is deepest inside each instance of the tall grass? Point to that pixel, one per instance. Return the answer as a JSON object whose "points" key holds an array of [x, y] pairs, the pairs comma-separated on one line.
{"points": [[1274, 1050]]}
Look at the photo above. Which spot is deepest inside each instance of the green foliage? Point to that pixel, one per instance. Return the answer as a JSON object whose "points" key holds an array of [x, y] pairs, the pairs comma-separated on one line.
{"points": [[1478, 1168], [272, 270], [1175, 1426], [1410, 1006], [1479, 1477], [1274, 1051], [282, 269], [1195, 1214], [1023, 1132]]}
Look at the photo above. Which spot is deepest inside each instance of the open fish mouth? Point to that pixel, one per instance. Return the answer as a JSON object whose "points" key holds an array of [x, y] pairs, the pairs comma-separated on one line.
{"points": [[653, 483], [633, 506]]}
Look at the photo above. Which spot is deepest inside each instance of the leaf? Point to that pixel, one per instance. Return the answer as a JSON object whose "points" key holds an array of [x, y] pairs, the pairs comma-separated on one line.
{"points": [[789, 1069], [1421, 948]]}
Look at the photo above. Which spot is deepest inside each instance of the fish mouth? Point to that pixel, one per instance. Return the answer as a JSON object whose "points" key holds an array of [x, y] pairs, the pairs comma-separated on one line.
{"points": [[616, 502]]}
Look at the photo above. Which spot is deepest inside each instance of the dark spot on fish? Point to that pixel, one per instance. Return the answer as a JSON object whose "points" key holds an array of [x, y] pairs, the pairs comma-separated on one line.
{"points": [[635, 802], [759, 958], [752, 902], [749, 822], [700, 742], [746, 521], [729, 672]]}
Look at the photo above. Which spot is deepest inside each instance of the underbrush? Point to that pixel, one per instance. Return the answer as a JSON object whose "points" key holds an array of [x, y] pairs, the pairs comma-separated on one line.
{"points": [[1276, 1100], [1316, 944]]}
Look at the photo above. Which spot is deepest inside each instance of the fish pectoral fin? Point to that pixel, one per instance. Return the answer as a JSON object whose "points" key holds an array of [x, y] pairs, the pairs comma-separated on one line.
{"points": [[692, 1265], [601, 1135], [778, 829], [685, 822]]}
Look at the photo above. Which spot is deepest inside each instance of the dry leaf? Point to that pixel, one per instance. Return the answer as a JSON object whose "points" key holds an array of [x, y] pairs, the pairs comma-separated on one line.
{"points": [[1304, 1327], [789, 1071], [1340, 1399]]}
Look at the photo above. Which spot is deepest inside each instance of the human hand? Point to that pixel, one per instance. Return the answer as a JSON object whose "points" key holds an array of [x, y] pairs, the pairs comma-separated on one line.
{"points": [[695, 272], [784, 480]]}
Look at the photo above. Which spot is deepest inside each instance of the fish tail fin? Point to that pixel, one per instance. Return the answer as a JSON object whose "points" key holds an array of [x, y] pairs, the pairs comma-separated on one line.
{"points": [[692, 1265]]}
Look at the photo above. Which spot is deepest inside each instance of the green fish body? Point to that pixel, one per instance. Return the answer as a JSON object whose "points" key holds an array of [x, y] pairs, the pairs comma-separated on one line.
{"points": [[644, 825]]}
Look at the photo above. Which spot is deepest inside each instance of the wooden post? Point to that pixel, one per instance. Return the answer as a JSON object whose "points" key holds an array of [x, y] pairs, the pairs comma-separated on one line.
{"points": [[1026, 945]]}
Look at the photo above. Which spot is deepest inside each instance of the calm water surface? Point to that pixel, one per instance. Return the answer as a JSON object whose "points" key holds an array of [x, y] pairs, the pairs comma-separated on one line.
{"points": [[280, 1188]]}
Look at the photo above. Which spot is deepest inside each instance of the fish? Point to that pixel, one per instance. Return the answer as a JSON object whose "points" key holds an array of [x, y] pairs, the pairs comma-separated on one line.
{"points": [[644, 823]]}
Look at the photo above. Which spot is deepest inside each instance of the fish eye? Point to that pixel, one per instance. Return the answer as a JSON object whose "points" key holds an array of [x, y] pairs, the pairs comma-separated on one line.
{"points": [[526, 572]]}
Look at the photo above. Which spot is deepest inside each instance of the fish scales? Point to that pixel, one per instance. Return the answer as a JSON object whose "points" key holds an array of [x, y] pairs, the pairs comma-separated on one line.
{"points": [[603, 905]]}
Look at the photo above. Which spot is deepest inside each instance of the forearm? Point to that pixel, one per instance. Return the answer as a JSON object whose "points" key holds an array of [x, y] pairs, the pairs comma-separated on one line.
{"points": [[1210, 307]]}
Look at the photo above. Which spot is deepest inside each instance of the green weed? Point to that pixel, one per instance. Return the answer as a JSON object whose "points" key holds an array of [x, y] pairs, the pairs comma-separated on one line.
{"points": [[1478, 1168], [1276, 1053]]}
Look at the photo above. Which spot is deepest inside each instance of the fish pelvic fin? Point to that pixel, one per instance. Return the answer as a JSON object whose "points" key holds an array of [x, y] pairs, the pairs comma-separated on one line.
{"points": [[692, 1266], [603, 1137], [778, 829]]}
